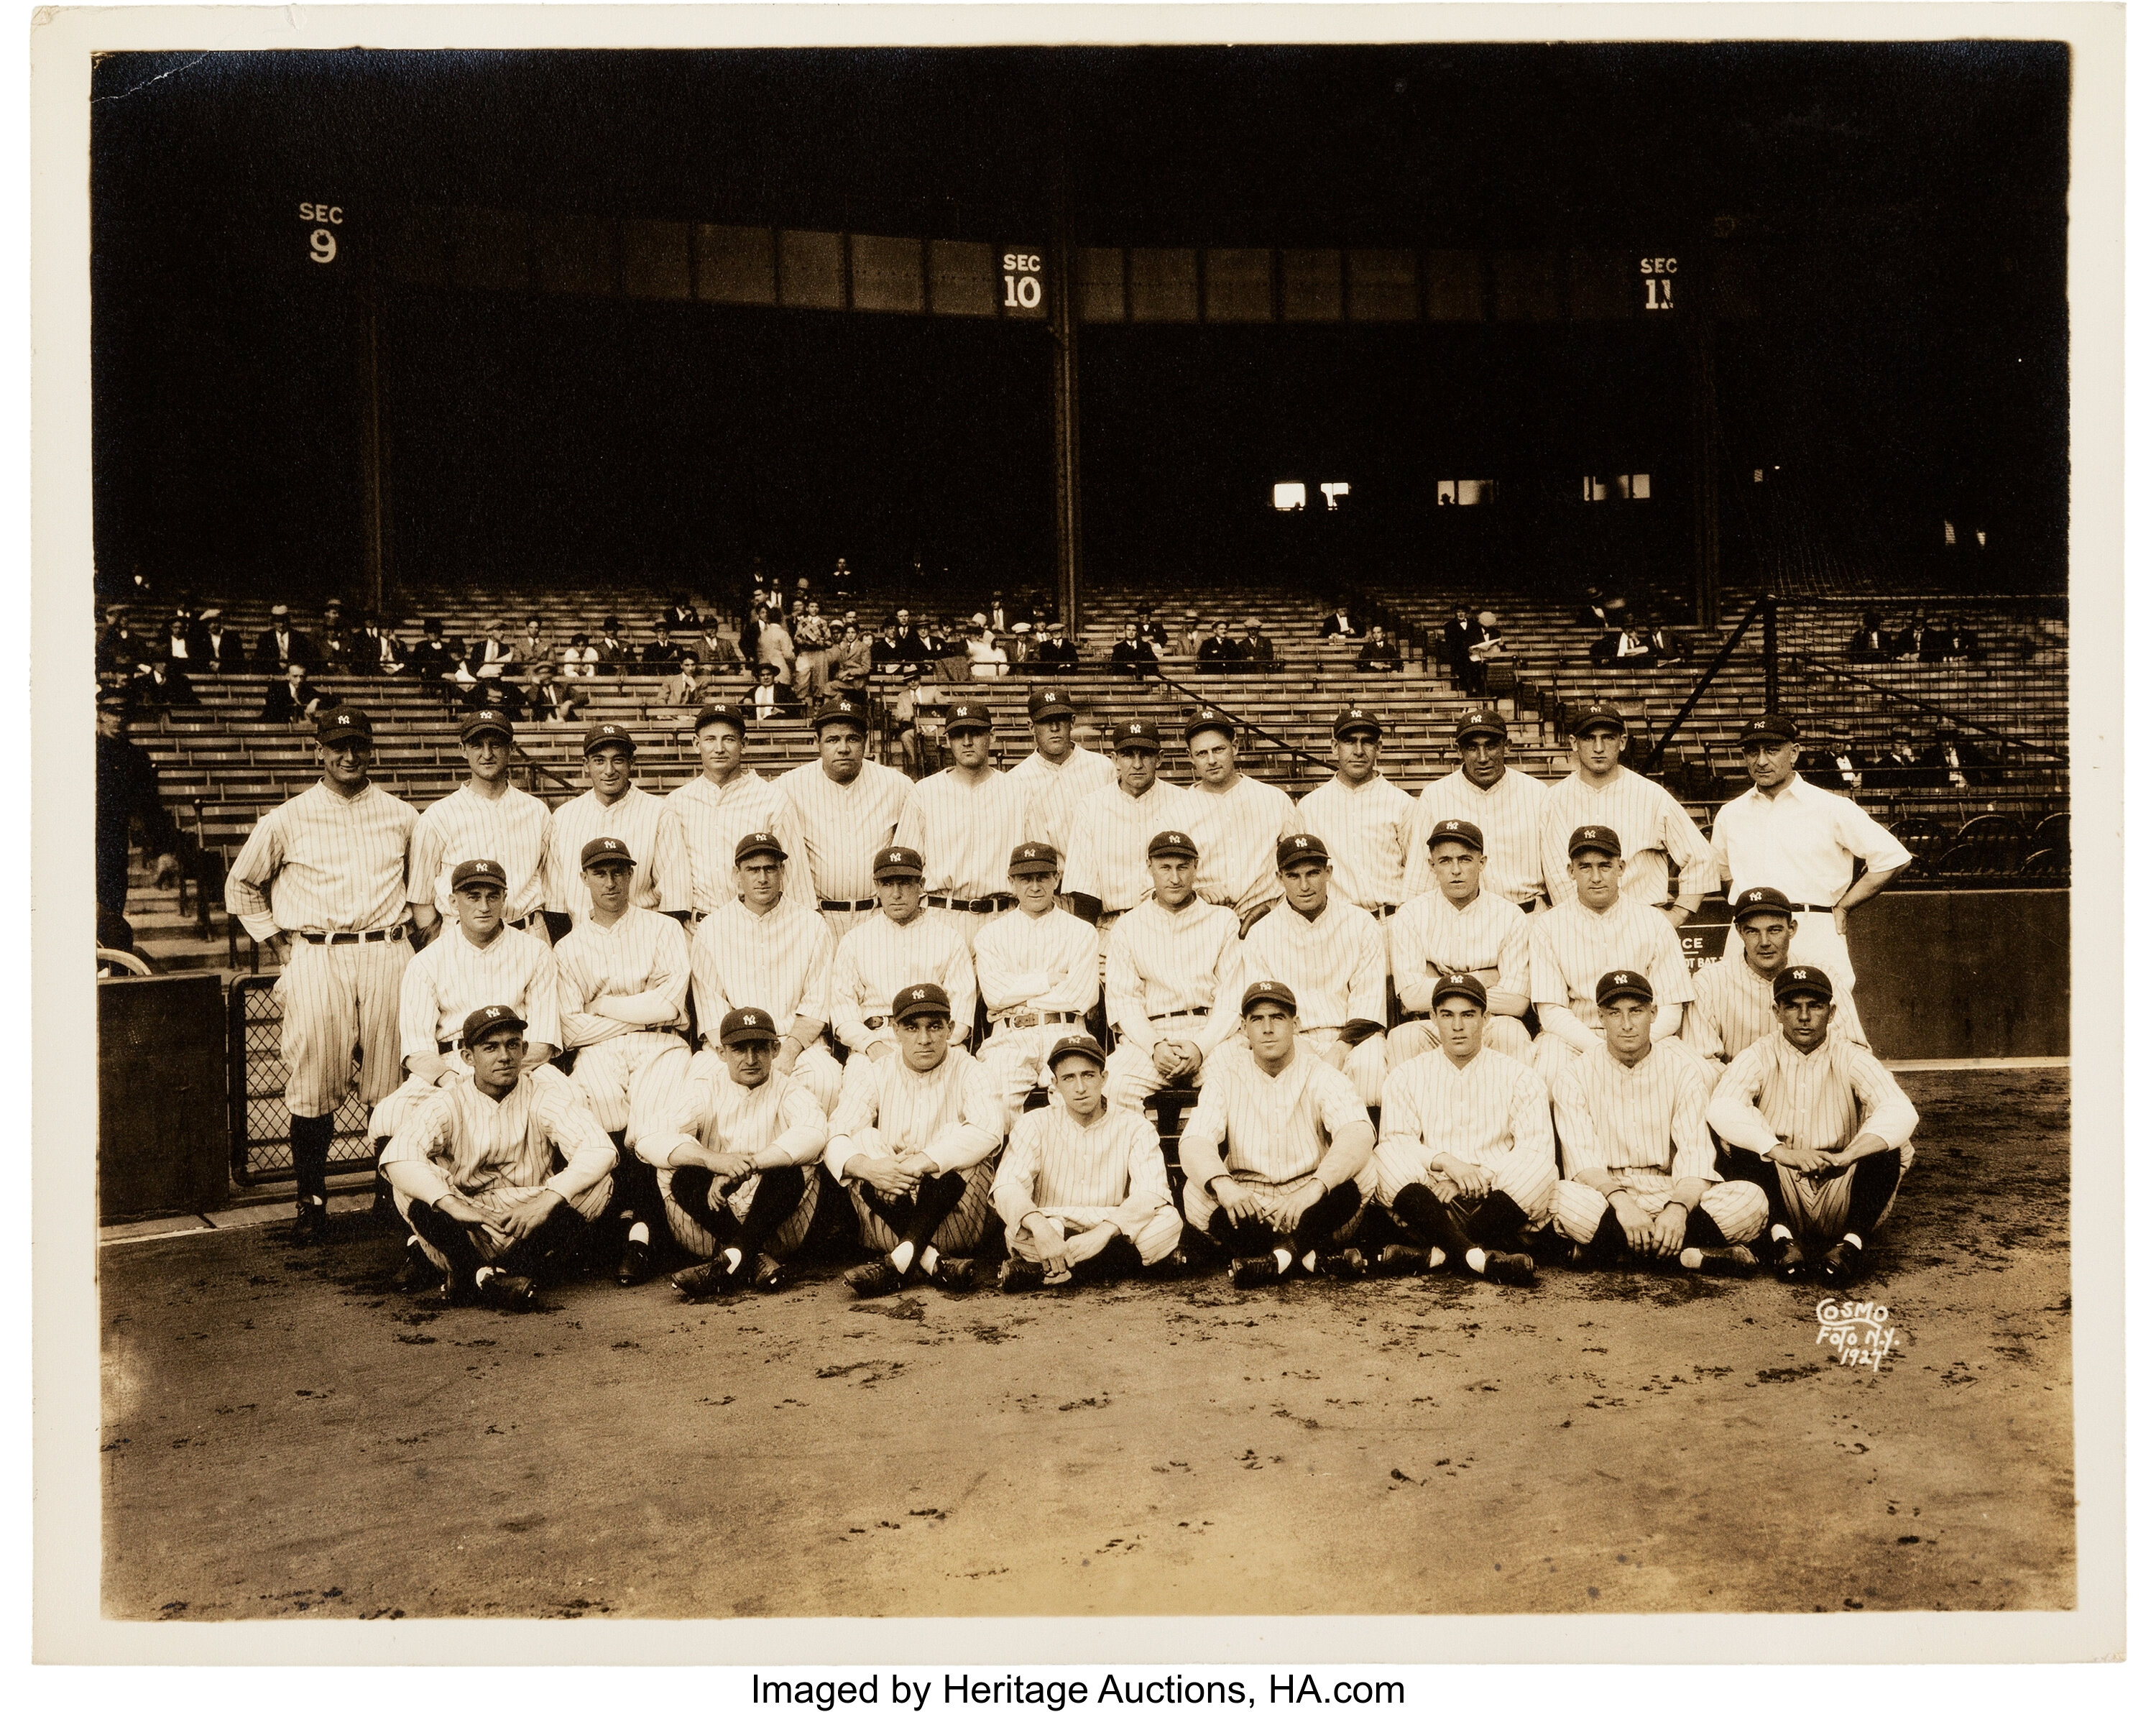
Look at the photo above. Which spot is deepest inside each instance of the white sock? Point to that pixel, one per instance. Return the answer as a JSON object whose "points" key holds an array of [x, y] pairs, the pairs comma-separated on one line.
{"points": [[1436, 1259], [1691, 1259], [1852, 1239], [640, 1232], [901, 1256], [1284, 1258], [1476, 1259], [1783, 1233], [732, 1256], [482, 1275], [929, 1257]]}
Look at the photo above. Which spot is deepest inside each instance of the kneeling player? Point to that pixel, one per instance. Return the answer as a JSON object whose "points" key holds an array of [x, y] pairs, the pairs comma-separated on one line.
{"points": [[1817, 1124], [1277, 1151], [1082, 1189], [1467, 1160], [736, 1160], [912, 1139], [500, 1171], [1639, 1164]]}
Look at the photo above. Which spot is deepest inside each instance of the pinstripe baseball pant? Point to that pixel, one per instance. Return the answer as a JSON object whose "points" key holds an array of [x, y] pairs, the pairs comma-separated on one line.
{"points": [[337, 999]]}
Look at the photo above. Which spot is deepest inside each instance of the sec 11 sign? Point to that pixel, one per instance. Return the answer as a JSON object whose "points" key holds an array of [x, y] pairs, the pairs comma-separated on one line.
{"points": [[322, 242]]}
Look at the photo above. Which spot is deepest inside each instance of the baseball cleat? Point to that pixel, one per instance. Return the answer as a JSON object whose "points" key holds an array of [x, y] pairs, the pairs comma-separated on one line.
{"points": [[1348, 1263], [955, 1276], [1015, 1277], [770, 1272], [879, 1278], [418, 1272], [1788, 1261], [698, 1282], [1168, 1266], [1841, 1265], [510, 1291], [635, 1263], [1722, 1261], [1399, 1259], [1503, 1269], [1254, 1271], [311, 1224]]}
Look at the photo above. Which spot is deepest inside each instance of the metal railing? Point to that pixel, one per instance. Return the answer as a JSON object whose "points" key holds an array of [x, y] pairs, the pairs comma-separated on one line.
{"points": [[1296, 751]]}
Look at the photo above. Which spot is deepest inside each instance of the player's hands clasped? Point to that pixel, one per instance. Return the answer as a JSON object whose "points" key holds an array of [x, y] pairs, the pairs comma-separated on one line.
{"points": [[1809, 1161], [1235, 1200], [887, 1176], [1287, 1212], [1451, 1178], [522, 1220]]}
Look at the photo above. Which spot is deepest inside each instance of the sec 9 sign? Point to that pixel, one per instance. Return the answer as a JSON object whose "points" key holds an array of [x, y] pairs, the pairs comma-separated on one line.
{"points": [[322, 241]]}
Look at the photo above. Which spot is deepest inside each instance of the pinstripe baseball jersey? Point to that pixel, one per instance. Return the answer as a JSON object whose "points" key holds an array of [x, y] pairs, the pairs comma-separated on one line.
{"points": [[716, 818], [1825, 1098], [1272, 1130], [643, 957], [1334, 964], [1365, 829], [843, 825], [1053, 1160], [952, 1113], [1053, 792], [1733, 1004], [1648, 821], [1574, 948], [640, 821], [779, 961], [1161, 961], [466, 824], [1802, 842], [710, 1108], [1483, 1111], [452, 978], [877, 958], [1650, 1117], [965, 832], [1485, 936], [1048, 962], [1237, 832], [1510, 813], [472, 1144], [1109, 832], [330, 863]]}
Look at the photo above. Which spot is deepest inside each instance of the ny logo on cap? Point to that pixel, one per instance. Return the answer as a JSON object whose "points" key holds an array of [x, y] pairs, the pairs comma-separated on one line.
{"points": [[921, 992], [1136, 725], [1302, 844], [1451, 826], [493, 1011], [344, 719]]}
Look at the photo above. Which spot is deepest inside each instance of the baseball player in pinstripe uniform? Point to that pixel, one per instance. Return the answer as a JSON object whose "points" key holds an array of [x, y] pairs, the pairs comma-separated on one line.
{"points": [[1506, 803], [1332, 959], [1277, 1156], [1594, 931], [1639, 1178], [1732, 1002], [901, 945], [1039, 970], [1082, 1189], [1059, 771], [1363, 818], [964, 821], [848, 808], [624, 973], [1652, 823], [737, 1151], [1174, 962], [913, 1142], [721, 805], [1237, 821], [484, 816], [501, 1172], [1466, 1158], [1817, 1124], [1104, 869], [1461, 928], [762, 957], [323, 880], [616, 807]]}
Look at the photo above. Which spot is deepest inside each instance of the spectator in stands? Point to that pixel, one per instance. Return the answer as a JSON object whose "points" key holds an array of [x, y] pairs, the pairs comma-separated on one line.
{"points": [[714, 649], [997, 620], [1189, 638], [812, 652], [775, 647], [1669, 646], [1960, 643], [221, 649], [180, 643], [164, 684], [1020, 645], [127, 796], [293, 699], [334, 638], [549, 699], [1900, 761], [1058, 652], [493, 655], [1958, 764], [280, 646], [1921, 640], [1153, 631], [1632, 649], [580, 659], [851, 660], [1339, 628], [684, 687], [377, 650], [1460, 636], [842, 585], [1379, 652], [534, 644], [987, 656], [1256, 647], [119, 650], [1133, 653], [908, 647], [431, 659], [504, 694], [615, 656], [1485, 653], [1603, 650], [1217, 653], [1873, 642], [681, 615], [1596, 612], [771, 699], [662, 654]]}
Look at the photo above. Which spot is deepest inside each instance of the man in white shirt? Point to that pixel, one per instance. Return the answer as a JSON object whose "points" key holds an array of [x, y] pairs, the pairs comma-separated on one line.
{"points": [[616, 807], [1082, 1189], [736, 1155], [1276, 1156], [901, 945], [1332, 958], [1461, 928], [1105, 871], [1820, 1127], [1039, 969], [1174, 964], [1363, 818], [848, 807], [484, 816], [964, 820], [721, 805], [1787, 833], [1059, 771], [1506, 803], [1237, 821], [913, 1141], [1652, 824]]}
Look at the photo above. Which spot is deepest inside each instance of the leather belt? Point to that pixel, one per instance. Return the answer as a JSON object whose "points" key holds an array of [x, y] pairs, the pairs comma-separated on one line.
{"points": [[1170, 1016], [366, 938], [843, 905], [523, 923], [1382, 910], [1824, 909], [973, 906], [1033, 1019]]}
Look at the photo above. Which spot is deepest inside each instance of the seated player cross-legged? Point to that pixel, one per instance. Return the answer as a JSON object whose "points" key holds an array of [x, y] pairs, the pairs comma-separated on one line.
{"points": [[913, 1141], [1821, 1126], [501, 1172], [735, 1156], [1081, 1188], [1639, 1181], [1466, 1159], [1277, 1153]]}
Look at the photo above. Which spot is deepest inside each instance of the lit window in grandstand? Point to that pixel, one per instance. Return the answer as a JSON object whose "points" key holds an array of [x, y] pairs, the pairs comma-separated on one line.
{"points": [[1759, 475], [1950, 535], [1632, 486], [1979, 537], [1334, 492], [1593, 488], [1466, 493], [1290, 495]]}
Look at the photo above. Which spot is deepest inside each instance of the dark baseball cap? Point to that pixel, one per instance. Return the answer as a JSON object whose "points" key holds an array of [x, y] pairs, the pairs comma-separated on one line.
{"points": [[842, 709], [491, 719], [1276, 992], [1481, 719], [344, 725], [894, 861], [599, 736], [1170, 844], [1802, 978], [478, 868], [1137, 734], [604, 850], [1760, 900], [1034, 859], [1078, 1046], [489, 1020], [1460, 986], [1596, 714], [1357, 719], [1601, 838], [1049, 704], [969, 715], [1623, 983], [1206, 720], [747, 1023], [925, 999], [759, 844], [721, 713], [1767, 728], [1465, 832], [1301, 847]]}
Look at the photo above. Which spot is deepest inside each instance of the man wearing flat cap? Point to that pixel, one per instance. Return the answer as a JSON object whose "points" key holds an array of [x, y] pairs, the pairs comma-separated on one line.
{"points": [[616, 807], [964, 821], [1059, 771], [1484, 791], [723, 804], [1332, 957], [901, 945], [1082, 1189], [1039, 973], [1237, 821], [1651, 825], [1363, 818], [1823, 1129], [913, 1142], [1461, 928], [1175, 963], [848, 808], [1105, 870], [484, 816]]}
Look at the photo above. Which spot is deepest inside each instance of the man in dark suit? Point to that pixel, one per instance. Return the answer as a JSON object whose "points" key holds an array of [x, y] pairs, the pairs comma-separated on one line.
{"points": [[615, 655], [1873, 642], [280, 646], [1151, 630], [662, 654], [431, 659], [1379, 653], [1922, 642], [1133, 653], [221, 649], [908, 646], [1256, 647], [1339, 626], [493, 655], [1217, 653], [165, 685], [551, 699], [1960, 643], [118, 649], [377, 650], [1460, 636], [334, 638], [1058, 652], [771, 699], [293, 700]]}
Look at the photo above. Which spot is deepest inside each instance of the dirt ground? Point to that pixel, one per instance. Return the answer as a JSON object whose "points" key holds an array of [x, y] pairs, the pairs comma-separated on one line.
{"points": [[282, 1436]]}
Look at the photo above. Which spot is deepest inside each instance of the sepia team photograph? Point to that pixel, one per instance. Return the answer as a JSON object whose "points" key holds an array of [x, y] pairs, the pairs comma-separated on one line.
{"points": [[1261, 818]]}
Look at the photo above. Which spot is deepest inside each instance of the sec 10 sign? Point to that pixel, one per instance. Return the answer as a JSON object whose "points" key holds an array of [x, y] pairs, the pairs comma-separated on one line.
{"points": [[1023, 270], [322, 241]]}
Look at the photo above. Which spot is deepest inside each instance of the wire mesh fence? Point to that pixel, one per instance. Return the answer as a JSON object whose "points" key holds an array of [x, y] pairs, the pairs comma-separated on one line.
{"points": [[261, 1122]]}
